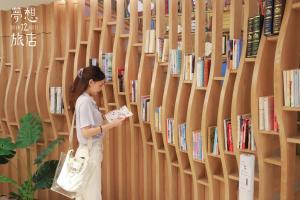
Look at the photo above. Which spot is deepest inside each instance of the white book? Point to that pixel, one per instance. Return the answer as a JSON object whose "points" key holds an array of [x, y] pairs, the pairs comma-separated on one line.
{"points": [[292, 72], [285, 86], [261, 113], [165, 53], [246, 177], [152, 41], [58, 100], [118, 113], [52, 99], [296, 88], [147, 37], [266, 113]]}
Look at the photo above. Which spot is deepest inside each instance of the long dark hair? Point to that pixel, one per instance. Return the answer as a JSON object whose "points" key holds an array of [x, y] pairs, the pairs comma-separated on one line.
{"points": [[81, 83]]}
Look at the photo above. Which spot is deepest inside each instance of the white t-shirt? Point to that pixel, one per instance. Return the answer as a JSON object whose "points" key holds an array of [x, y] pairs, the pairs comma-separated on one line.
{"points": [[87, 114]]}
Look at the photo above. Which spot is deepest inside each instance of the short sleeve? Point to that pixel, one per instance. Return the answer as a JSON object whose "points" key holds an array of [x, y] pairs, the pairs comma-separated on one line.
{"points": [[85, 112]]}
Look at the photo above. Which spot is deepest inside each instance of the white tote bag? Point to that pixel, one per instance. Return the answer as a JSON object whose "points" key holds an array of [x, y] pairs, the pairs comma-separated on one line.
{"points": [[76, 169]]}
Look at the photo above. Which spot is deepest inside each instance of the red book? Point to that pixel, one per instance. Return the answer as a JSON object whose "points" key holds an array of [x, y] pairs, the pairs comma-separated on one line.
{"points": [[206, 71], [230, 143], [276, 125]]}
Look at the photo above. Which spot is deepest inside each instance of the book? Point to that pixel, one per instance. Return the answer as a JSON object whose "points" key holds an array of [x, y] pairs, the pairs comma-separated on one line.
{"points": [[249, 37], [278, 13], [117, 114], [52, 100], [257, 26], [121, 79], [268, 21], [246, 177]]}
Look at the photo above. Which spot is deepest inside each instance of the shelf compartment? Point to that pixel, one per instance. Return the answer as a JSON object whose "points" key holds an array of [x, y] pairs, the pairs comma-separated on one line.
{"points": [[218, 177], [203, 181], [294, 139], [274, 160]]}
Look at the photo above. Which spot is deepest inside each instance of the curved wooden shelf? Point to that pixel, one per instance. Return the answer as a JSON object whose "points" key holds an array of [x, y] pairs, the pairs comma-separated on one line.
{"points": [[287, 58], [228, 158], [123, 144], [168, 106], [268, 145], [182, 99], [130, 74], [156, 94], [143, 89], [213, 161], [241, 99]]}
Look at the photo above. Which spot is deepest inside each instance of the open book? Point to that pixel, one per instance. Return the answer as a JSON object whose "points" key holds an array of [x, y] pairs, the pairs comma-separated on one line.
{"points": [[118, 113]]}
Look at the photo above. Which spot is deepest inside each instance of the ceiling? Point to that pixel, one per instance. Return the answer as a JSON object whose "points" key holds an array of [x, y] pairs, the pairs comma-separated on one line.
{"points": [[8, 4]]}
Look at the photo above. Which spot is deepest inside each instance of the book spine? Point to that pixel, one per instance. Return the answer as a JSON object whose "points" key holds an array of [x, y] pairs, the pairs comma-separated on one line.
{"points": [[256, 34], [52, 99], [250, 37], [261, 113], [278, 13], [58, 100], [268, 22]]}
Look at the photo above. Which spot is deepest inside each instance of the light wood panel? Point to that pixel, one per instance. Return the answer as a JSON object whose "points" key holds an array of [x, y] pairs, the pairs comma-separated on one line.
{"points": [[143, 89], [131, 73], [168, 106], [162, 165], [241, 98]]}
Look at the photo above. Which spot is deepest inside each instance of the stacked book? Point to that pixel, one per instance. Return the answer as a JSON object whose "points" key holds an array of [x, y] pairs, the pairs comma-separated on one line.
{"points": [[182, 137], [150, 39], [213, 146], [175, 60], [189, 66], [145, 103], [170, 131], [107, 65], [163, 49], [253, 36], [121, 79], [202, 71], [157, 117], [234, 51], [245, 133], [133, 90], [197, 146], [291, 83], [273, 16], [228, 135], [267, 118], [56, 101]]}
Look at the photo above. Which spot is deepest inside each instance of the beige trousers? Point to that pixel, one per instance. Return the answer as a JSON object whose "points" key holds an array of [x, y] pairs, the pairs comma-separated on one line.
{"points": [[92, 190]]}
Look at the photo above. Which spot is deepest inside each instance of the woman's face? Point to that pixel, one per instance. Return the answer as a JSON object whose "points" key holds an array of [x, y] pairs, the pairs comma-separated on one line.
{"points": [[96, 86]]}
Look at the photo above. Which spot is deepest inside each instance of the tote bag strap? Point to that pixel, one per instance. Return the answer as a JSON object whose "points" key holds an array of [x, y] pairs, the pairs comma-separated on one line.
{"points": [[71, 135], [90, 141]]}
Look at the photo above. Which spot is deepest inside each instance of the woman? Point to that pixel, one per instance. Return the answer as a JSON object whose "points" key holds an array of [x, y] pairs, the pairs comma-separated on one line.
{"points": [[84, 92]]}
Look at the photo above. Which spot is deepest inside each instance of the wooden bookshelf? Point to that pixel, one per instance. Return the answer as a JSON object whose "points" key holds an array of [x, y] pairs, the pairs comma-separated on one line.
{"points": [[130, 74], [144, 76], [156, 91], [176, 190], [286, 58], [268, 145], [228, 158], [182, 99], [138, 161]]}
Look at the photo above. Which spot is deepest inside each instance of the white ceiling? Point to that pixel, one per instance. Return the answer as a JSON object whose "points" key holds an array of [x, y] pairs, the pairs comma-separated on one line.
{"points": [[8, 4]]}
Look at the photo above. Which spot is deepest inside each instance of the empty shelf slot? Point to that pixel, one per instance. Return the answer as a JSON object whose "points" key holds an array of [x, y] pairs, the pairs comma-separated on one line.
{"points": [[188, 171], [59, 58], [203, 181], [97, 29], [218, 177], [175, 164], [126, 35], [296, 6], [250, 59], [138, 44], [274, 160]]}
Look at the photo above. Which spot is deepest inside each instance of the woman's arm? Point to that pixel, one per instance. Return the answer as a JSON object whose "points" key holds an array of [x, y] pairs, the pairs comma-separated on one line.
{"points": [[89, 132]]}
